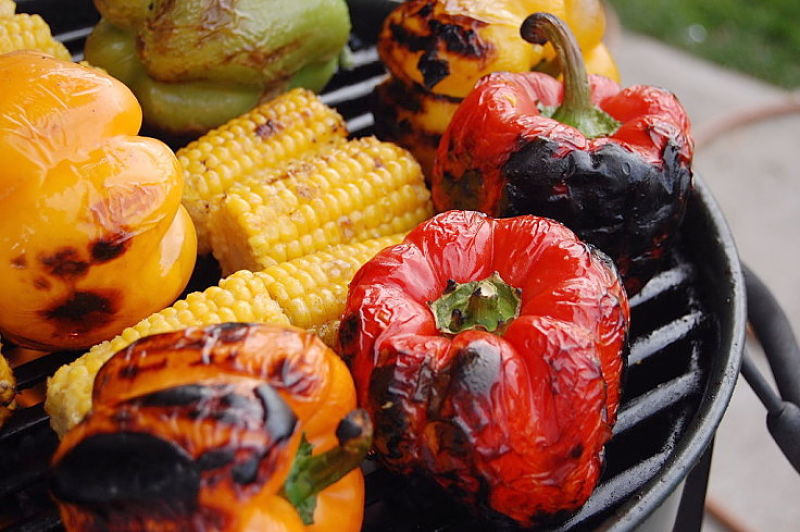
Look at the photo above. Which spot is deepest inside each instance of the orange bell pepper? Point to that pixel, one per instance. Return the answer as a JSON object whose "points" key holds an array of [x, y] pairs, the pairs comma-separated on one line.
{"points": [[93, 237], [231, 427]]}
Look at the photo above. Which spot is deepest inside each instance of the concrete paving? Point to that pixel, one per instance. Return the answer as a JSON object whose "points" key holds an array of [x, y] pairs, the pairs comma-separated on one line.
{"points": [[754, 173]]}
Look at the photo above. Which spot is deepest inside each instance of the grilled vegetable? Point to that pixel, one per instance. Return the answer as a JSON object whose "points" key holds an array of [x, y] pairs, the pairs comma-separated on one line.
{"points": [[618, 175], [195, 64], [307, 292], [436, 50], [288, 127], [93, 237], [27, 32], [235, 427], [7, 386], [488, 353], [363, 189]]}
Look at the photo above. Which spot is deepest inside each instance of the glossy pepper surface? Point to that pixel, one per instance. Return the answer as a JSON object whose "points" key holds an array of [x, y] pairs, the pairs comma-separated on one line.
{"points": [[195, 64], [93, 236], [488, 353], [232, 427], [612, 164], [435, 51]]}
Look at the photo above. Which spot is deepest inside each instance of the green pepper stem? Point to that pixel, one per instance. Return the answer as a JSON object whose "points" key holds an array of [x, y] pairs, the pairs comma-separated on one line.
{"points": [[576, 108], [310, 475], [488, 304]]}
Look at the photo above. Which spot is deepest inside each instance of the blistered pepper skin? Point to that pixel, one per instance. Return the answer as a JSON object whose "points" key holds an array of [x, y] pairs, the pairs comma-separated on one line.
{"points": [[93, 237], [198, 429], [513, 421], [625, 193]]}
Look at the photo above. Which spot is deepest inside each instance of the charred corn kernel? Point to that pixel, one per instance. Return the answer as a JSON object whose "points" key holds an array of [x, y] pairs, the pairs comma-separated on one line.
{"points": [[290, 126], [27, 32], [312, 289], [242, 296], [7, 383], [360, 190]]}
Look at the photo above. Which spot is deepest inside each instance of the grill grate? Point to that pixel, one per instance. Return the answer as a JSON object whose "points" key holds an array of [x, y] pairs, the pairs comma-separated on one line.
{"points": [[667, 373]]}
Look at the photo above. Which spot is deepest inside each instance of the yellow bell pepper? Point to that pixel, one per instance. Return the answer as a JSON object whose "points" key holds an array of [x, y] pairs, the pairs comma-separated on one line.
{"points": [[93, 237], [436, 50]]}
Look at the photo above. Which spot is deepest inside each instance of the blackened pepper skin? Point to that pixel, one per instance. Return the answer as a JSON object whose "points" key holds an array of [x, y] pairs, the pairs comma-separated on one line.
{"points": [[613, 165]]}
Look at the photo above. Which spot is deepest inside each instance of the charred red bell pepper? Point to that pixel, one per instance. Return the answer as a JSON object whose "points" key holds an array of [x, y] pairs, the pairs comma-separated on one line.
{"points": [[613, 165], [488, 353]]}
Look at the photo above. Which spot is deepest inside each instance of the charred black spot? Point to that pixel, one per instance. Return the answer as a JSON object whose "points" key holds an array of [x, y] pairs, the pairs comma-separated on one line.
{"points": [[110, 247], [459, 40], [41, 283], [432, 68], [129, 372], [268, 129], [413, 41], [65, 263], [348, 330], [426, 9], [215, 459], [279, 419], [82, 311], [349, 428], [576, 451], [452, 440], [130, 472], [19, 262], [246, 471], [476, 368], [231, 332], [177, 396], [610, 197]]}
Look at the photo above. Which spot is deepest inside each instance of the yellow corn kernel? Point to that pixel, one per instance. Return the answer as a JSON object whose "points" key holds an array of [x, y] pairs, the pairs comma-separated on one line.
{"points": [[293, 125], [360, 190], [242, 296], [27, 32], [312, 289], [7, 385]]}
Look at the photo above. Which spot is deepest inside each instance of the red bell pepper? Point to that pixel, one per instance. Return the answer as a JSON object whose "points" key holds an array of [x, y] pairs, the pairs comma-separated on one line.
{"points": [[613, 165], [489, 353]]}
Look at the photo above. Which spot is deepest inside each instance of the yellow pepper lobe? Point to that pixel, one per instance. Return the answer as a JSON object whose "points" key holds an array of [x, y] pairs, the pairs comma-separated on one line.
{"points": [[92, 237]]}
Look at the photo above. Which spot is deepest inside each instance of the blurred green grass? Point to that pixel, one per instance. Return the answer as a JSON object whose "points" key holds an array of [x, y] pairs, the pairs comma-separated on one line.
{"points": [[760, 38]]}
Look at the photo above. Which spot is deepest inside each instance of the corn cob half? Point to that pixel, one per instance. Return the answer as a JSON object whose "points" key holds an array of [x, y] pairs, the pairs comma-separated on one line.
{"points": [[292, 125], [360, 190], [308, 292], [27, 32]]}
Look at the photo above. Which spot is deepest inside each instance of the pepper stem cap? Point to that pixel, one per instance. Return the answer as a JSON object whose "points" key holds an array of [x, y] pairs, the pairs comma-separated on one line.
{"points": [[488, 304], [576, 109]]}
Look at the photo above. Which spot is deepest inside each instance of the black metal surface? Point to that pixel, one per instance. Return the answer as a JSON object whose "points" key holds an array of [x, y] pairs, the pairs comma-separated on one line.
{"points": [[686, 339]]}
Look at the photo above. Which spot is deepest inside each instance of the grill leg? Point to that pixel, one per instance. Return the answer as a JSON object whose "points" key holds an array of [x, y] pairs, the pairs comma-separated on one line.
{"points": [[691, 509]]}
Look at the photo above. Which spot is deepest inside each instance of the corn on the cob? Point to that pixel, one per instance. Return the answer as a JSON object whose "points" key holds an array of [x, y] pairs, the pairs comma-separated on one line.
{"points": [[306, 292], [240, 297], [290, 126], [360, 190], [27, 32], [7, 386]]}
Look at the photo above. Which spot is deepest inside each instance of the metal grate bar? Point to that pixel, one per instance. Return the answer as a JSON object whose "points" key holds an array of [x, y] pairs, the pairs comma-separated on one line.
{"points": [[23, 421], [647, 345], [35, 371]]}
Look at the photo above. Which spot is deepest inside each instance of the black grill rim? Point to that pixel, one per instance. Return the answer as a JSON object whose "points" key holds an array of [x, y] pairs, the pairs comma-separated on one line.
{"points": [[709, 239]]}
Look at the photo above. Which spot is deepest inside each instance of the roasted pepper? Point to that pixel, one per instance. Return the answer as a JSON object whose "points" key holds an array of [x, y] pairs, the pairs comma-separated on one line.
{"points": [[93, 236], [613, 165], [436, 50], [488, 353], [232, 427], [195, 64]]}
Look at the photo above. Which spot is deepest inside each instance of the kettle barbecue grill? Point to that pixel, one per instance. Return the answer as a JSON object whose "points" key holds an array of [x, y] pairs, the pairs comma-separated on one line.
{"points": [[687, 337]]}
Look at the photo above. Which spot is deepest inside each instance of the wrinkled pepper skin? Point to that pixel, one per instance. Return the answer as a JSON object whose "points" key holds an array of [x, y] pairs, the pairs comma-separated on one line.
{"points": [[512, 421], [198, 430], [625, 192], [435, 51], [195, 64], [93, 236]]}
